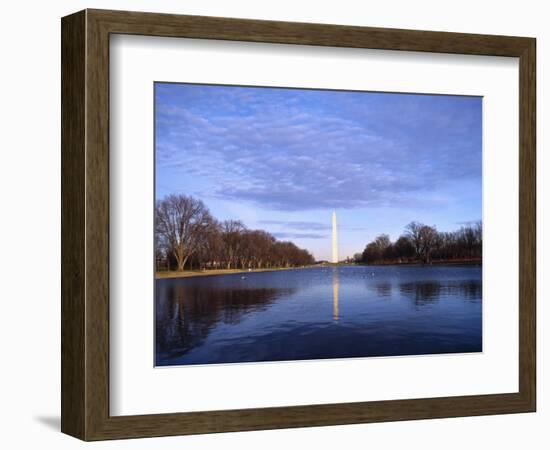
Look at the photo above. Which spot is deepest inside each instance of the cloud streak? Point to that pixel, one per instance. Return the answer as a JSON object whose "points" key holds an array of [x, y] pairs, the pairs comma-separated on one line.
{"points": [[284, 235], [297, 225]]}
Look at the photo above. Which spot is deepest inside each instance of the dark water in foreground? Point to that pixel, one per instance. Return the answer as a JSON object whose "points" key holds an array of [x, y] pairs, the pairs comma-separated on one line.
{"points": [[318, 313]]}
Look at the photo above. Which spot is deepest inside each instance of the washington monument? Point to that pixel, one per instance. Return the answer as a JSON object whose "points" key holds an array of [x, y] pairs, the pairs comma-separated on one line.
{"points": [[334, 239]]}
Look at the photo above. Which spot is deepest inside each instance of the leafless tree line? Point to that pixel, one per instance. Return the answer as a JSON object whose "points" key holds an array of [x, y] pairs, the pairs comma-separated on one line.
{"points": [[425, 244], [188, 236]]}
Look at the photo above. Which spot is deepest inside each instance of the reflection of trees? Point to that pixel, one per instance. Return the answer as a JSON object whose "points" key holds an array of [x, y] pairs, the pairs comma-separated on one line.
{"points": [[185, 313], [383, 289], [425, 293]]}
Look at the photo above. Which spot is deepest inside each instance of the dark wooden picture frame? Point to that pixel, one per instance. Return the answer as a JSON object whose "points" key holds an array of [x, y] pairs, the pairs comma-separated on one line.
{"points": [[85, 224]]}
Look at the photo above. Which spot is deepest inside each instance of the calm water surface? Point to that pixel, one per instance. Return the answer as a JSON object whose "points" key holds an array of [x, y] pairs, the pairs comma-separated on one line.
{"points": [[318, 313]]}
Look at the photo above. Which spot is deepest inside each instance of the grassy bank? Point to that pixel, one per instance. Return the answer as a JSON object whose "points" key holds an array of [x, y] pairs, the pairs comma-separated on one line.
{"points": [[210, 272]]}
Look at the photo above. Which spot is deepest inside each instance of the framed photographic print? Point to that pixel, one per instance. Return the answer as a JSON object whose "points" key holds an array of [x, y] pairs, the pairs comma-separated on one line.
{"points": [[271, 224]]}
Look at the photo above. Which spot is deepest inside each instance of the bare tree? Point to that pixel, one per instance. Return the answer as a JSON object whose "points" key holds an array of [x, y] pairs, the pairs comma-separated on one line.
{"points": [[232, 231], [377, 249], [478, 229], [263, 243], [412, 231], [404, 248], [423, 238], [181, 224], [210, 253], [429, 238], [382, 242]]}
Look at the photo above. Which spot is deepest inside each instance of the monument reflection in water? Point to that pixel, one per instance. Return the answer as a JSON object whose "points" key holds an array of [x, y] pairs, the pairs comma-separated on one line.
{"points": [[319, 313], [335, 288]]}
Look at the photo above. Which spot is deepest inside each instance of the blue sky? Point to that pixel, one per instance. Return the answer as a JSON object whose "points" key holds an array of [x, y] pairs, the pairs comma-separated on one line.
{"points": [[283, 159]]}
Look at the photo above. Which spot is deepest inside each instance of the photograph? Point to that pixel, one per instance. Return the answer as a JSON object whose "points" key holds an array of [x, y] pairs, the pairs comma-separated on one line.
{"points": [[272, 225], [300, 224]]}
